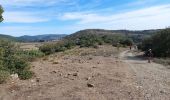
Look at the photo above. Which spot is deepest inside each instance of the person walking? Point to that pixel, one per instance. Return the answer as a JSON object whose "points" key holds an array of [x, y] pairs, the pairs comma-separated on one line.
{"points": [[150, 55], [130, 47]]}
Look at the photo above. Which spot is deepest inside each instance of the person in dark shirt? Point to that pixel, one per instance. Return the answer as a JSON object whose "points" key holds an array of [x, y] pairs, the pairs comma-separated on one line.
{"points": [[150, 55]]}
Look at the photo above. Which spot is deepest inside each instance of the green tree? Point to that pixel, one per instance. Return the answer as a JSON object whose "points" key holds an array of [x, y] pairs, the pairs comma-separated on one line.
{"points": [[1, 11], [159, 43]]}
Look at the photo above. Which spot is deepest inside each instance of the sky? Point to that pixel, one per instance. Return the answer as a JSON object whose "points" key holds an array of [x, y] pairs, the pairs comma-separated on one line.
{"points": [[35, 17]]}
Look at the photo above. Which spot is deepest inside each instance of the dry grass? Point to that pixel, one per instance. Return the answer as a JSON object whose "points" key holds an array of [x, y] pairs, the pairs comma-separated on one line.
{"points": [[30, 46], [104, 50]]}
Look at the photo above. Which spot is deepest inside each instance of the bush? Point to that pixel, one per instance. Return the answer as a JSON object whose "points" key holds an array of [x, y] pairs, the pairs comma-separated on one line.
{"points": [[159, 43], [11, 60], [85, 40], [47, 48], [4, 75], [127, 42], [57, 47], [30, 55], [25, 74]]}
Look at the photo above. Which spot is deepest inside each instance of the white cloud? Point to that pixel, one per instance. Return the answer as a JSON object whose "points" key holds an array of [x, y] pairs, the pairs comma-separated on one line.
{"points": [[22, 17], [152, 17]]}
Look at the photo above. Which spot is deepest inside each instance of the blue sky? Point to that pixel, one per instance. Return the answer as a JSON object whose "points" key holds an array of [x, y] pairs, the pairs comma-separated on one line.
{"points": [[33, 17]]}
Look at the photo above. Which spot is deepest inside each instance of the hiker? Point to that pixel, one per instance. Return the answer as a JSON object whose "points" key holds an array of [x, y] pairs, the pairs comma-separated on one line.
{"points": [[150, 54], [136, 47], [130, 47]]}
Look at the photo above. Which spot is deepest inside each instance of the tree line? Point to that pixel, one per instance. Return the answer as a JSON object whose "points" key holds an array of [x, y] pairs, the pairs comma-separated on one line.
{"points": [[159, 43]]}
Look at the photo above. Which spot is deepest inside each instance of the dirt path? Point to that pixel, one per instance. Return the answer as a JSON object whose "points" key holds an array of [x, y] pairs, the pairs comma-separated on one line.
{"points": [[152, 79], [69, 77]]}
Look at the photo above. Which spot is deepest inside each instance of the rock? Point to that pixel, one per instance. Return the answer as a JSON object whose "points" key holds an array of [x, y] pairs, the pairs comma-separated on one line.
{"points": [[75, 74], [37, 79], [162, 92], [55, 62], [53, 72], [32, 81], [88, 78], [90, 85], [90, 58], [14, 76], [68, 74], [94, 67], [60, 74]]}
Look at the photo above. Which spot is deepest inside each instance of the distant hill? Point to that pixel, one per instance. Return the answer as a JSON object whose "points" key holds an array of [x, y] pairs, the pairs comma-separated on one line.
{"points": [[7, 37], [41, 38], [137, 36]]}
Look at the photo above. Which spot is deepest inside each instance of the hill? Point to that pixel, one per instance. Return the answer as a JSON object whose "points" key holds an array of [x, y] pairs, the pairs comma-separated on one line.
{"points": [[41, 38], [136, 36], [7, 37]]}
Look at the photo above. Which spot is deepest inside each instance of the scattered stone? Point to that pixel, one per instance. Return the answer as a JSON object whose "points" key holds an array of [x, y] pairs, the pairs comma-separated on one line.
{"points": [[32, 81], [88, 78], [68, 74], [71, 79], [75, 74], [90, 85], [162, 92], [94, 67], [55, 62], [37, 79], [90, 58], [14, 76], [60, 74], [53, 72]]}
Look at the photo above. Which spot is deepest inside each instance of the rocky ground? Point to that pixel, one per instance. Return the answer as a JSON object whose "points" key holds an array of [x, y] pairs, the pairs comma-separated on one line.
{"points": [[91, 74]]}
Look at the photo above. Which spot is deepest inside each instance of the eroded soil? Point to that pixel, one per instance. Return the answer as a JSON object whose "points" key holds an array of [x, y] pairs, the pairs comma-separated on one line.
{"points": [[91, 74]]}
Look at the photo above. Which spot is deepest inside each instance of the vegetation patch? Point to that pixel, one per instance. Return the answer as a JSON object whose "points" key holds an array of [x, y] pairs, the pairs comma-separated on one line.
{"points": [[159, 43], [14, 60], [25, 74], [30, 55], [4, 75], [86, 40]]}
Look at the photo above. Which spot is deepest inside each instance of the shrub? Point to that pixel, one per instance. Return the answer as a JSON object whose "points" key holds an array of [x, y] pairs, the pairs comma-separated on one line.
{"points": [[30, 55], [85, 40], [25, 74], [11, 60], [56, 47], [127, 42], [48, 48], [4, 75], [159, 43]]}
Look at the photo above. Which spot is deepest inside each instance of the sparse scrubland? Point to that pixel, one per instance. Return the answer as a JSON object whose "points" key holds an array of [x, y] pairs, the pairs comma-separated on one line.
{"points": [[86, 40], [14, 60], [92, 64]]}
